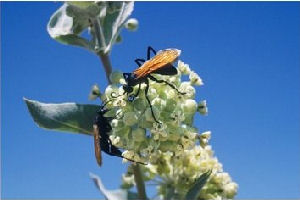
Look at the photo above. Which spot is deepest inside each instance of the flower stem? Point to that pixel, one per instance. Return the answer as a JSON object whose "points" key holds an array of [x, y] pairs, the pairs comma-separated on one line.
{"points": [[140, 185], [100, 40], [106, 64]]}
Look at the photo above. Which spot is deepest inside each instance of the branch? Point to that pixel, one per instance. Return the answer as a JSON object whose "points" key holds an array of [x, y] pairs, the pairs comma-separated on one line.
{"points": [[140, 185], [106, 64], [100, 43]]}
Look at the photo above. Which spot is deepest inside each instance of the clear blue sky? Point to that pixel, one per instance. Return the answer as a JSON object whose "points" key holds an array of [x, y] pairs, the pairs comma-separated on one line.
{"points": [[248, 55]]}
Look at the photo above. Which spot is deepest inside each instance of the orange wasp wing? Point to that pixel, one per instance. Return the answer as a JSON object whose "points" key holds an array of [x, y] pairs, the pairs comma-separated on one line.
{"points": [[97, 145], [160, 60]]}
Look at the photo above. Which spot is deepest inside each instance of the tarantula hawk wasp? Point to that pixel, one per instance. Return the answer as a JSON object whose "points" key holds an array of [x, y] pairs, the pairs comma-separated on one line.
{"points": [[161, 63], [102, 141]]}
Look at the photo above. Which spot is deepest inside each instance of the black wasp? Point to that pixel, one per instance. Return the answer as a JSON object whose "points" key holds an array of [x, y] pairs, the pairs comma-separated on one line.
{"points": [[102, 141]]}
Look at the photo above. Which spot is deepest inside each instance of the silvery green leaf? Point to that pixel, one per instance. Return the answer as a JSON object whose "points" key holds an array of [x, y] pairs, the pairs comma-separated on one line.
{"points": [[107, 20], [132, 196], [69, 21], [81, 4], [118, 194], [60, 23], [194, 191], [73, 39], [114, 22], [68, 117], [170, 193]]}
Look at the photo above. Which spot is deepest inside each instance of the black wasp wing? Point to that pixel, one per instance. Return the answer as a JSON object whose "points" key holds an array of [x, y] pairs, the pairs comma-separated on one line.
{"points": [[168, 69]]}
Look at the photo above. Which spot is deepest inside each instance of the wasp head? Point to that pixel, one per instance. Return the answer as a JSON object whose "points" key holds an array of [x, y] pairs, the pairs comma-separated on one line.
{"points": [[128, 87]]}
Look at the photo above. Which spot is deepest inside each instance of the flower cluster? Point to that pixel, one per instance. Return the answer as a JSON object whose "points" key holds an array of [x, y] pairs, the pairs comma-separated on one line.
{"points": [[178, 173], [174, 151], [134, 128]]}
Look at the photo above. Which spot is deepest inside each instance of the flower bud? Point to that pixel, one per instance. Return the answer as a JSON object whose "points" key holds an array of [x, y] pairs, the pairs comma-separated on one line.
{"points": [[230, 190], [138, 134], [128, 154], [119, 39], [130, 118], [128, 179], [149, 116], [202, 109], [195, 79], [95, 92], [139, 104], [189, 106], [115, 77], [188, 89], [132, 24], [183, 68], [111, 89], [204, 138]]}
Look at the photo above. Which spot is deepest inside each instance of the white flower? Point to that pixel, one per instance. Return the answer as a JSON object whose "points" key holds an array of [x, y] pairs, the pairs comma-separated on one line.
{"points": [[186, 88], [230, 189], [204, 138], [119, 102], [195, 79], [183, 68], [128, 154], [128, 179], [189, 106]]}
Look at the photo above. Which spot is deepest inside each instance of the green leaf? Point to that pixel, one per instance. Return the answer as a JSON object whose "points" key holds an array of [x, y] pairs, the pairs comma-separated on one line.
{"points": [[68, 117], [73, 39], [194, 191], [132, 196], [170, 192], [118, 194], [114, 22], [68, 23]]}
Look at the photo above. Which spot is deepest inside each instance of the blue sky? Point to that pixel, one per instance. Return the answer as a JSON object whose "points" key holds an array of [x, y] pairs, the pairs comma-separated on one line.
{"points": [[248, 55]]}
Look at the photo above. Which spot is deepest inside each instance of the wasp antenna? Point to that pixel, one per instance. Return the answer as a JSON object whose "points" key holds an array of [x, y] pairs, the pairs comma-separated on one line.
{"points": [[149, 52], [139, 61]]}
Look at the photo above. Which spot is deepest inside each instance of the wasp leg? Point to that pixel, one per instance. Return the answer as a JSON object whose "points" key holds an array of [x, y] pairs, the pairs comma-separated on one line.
{"points": [[163, 81], [146, 92], [139, 61], [149, 52], [137, 93]]}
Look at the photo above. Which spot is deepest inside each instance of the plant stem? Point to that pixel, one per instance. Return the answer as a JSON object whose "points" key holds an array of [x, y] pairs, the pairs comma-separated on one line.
{"points": [[100, 43], [140, 185], [138, 178], [106, 64]]}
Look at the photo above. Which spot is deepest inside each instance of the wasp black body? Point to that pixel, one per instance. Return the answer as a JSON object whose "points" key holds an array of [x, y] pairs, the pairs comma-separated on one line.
{"points": [[102, 141]]}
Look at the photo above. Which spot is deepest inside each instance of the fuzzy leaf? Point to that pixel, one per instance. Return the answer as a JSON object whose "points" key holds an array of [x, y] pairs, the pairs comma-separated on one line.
{"points": [[68, 117], [73, 39], [194, 191], [119, 194], [72, 18], [69, 21], [114, 22]]}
